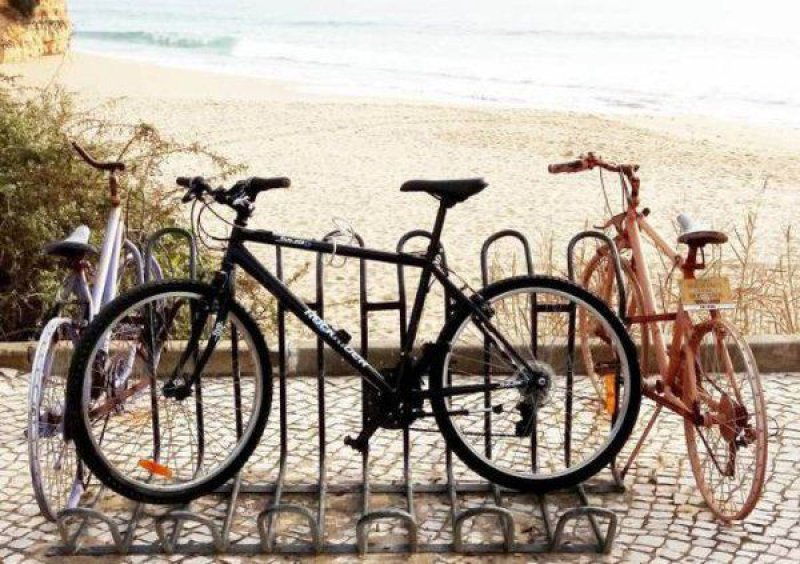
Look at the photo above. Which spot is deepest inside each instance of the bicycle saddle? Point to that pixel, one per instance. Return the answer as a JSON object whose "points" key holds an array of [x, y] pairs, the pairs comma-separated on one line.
{"points": [[698, 235], [73, 247], [453, 190]]}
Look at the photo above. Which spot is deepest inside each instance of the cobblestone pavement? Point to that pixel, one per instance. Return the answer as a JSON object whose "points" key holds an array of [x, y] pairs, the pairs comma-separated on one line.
{"points": [[662, 515]]}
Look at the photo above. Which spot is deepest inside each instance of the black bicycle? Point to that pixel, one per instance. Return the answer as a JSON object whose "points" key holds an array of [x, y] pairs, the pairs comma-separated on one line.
{"points": [[506, 364]]}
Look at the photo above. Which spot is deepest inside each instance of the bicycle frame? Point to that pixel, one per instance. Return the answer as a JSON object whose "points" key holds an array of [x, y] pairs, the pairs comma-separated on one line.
{"points": [[237, 255], [680, 357], [104, 287], [105, 283]]}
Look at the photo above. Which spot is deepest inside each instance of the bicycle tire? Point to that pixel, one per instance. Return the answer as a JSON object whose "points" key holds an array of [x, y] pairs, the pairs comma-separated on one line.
{"points": [[483, 466], [635, 298], [78, 423]]}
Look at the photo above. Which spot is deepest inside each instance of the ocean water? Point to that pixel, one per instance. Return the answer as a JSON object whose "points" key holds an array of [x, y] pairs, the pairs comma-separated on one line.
{"points": [[726, 58]]}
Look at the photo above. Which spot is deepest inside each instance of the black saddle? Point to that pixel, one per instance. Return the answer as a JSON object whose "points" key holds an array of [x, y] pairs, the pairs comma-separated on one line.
{"points": [[453, 191], [76, 246]]}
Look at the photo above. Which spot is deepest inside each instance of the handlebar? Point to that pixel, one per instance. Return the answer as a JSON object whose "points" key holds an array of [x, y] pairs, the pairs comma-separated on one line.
{"points": [[257, 185], [240, 196], [572, 166], [110, 166], [590, 161]]}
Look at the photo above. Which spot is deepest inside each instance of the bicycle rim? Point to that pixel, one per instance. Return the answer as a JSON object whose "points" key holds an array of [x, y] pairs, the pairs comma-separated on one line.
{"points": [[551, 438], [729, 456], [161, 444], [601, 281]]}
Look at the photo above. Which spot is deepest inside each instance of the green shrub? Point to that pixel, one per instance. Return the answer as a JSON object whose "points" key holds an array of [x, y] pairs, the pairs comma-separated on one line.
{"points": [[46, 190]]}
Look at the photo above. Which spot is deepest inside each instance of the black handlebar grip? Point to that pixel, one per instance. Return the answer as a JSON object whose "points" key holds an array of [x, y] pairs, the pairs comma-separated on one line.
{"points": [[260, 184], [195, 187]]}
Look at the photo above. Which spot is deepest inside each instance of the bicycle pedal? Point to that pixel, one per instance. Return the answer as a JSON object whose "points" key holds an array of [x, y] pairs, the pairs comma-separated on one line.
{"points": [[653, 383], [361, 444]]}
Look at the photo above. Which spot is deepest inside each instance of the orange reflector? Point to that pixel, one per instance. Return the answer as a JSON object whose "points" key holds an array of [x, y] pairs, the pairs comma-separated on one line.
{"points": [[611, 392], [155, 468]]}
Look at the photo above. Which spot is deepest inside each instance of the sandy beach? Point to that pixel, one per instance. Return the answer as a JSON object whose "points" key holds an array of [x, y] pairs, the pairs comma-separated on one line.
{"points": [[347, 157]]}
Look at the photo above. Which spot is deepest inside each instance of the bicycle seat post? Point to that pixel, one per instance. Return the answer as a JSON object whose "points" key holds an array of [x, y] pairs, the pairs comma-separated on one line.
{"points": [[691, 264], [425, 275], [113, 187]]}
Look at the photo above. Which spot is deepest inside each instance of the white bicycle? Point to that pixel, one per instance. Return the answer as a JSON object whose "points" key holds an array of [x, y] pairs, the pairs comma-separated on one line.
{"points": [[59, 479]]}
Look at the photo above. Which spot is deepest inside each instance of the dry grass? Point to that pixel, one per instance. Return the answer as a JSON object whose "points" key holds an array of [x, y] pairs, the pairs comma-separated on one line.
{"points": [[767, 293]]}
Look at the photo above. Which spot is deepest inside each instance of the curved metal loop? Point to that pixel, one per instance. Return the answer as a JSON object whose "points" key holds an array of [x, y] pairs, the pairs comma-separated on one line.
{"points": [[615, 256], [422, 234], [160, 234], [362, 527], [267, 543], [180, 516], [131, 247], [83, 515], [505, 517], [494, 238], [604, 542]]}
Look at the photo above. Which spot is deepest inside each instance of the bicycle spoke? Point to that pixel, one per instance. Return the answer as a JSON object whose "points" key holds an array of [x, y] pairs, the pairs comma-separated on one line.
{"points": [[728, 469], [525, 430], [150, 436]]}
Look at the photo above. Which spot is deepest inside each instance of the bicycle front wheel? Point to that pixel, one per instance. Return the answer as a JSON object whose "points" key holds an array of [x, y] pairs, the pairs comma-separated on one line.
{"points": [[728, 451], [138, 430], [515, 401]]}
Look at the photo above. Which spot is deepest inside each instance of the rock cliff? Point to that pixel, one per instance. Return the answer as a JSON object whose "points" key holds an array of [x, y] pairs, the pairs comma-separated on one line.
{"points": [[32, 28]]}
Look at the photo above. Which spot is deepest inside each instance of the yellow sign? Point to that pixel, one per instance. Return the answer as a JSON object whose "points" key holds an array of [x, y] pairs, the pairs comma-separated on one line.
{"points": [[706, 293]]}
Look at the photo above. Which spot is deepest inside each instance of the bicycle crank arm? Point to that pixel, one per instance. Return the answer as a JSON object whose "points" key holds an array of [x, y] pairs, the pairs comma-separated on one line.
{"points": [[361, 442]]}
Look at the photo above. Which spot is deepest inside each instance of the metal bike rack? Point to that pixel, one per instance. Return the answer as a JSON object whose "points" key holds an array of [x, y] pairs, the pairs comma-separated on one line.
{"points": [[158, 236], [612, 249], [170, 524], [616, 484], [81, 517]]}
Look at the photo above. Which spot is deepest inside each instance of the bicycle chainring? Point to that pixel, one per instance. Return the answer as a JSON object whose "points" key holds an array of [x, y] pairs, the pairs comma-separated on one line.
{"points": [[378, 408]]}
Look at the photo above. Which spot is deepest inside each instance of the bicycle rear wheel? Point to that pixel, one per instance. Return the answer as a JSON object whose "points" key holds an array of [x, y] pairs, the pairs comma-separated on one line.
{"points": [[56, 473], [728, 454], [140, 435], [492, 406]]}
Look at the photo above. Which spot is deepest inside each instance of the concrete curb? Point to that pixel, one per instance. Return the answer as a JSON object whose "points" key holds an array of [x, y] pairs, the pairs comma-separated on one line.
{"points": [[774, 353]]}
